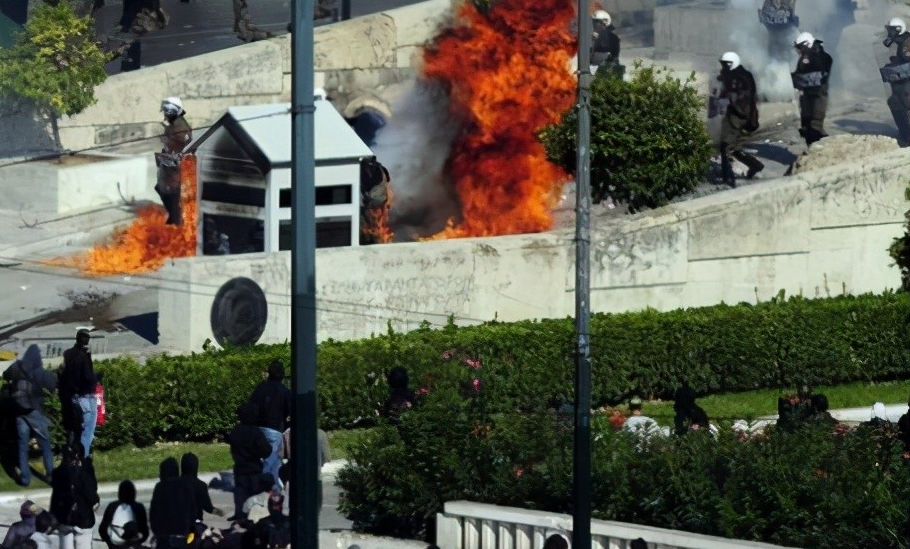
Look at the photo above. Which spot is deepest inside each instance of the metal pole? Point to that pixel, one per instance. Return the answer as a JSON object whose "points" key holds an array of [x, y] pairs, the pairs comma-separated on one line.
{"points": [[305, 483], [581, 482]]}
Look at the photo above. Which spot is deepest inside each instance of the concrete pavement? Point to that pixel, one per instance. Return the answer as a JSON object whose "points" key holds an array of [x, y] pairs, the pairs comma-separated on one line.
{"points": [[335, 530]]}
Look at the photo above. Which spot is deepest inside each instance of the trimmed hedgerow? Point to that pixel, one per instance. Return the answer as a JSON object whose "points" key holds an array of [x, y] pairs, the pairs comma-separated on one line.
{"points": [[715, 349]]}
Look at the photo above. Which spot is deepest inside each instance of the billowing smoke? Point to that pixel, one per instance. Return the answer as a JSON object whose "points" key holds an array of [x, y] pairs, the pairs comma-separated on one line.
{"points": [[851, 33], [414, 146]]}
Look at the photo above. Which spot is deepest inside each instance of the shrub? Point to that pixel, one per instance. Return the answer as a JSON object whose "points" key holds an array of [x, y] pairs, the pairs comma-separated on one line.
{"points": [[723, 348], [809, 488], [648, 142]]}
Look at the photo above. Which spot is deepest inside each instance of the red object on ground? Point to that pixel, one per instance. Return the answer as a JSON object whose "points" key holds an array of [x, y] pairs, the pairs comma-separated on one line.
{"points": [[102, 409]]}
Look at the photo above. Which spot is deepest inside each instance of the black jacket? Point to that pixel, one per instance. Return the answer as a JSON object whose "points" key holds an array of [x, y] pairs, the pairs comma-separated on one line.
{"points": [[248, 445], [126, 493], [173, 508], [739, 88], [816, 60], [272, 400], [78, 375], [32, 368], [189, 471], [74, 494]]}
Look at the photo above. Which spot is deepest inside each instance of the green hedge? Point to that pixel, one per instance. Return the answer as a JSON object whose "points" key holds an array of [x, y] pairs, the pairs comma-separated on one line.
{"points": [[810, 488], [715, 349]]}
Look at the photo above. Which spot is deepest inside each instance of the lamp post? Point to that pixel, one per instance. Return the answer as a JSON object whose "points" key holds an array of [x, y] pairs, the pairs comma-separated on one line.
{"points": [[581, 480], [304, 504]]}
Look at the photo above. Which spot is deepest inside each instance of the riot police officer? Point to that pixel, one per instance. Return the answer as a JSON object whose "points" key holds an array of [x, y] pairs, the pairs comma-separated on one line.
{"points": [[177, 135], [737, 94], [897, 73], [813, 69], [605, 46]]}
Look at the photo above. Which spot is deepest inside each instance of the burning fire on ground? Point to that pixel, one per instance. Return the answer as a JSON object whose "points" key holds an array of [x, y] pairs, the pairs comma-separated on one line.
{"points": [[148, 242], [508, 77]]}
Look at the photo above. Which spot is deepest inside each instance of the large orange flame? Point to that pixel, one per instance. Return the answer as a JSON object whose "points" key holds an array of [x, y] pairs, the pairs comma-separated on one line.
{"points": [[147, 243], [508, 76]]}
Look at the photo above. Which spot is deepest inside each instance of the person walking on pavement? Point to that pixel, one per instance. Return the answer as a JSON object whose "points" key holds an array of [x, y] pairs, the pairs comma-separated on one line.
{"points": [[189, 471], [897, 73], [737, 92], [30, 369], [813, 70], [248, 448], [77, 393], [124, 524], [74, 494], [272, 400], [173, 509]]}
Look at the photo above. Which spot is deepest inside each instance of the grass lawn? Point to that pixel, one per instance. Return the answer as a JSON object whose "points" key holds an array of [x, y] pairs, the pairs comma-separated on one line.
{"points": [[142, 463]]}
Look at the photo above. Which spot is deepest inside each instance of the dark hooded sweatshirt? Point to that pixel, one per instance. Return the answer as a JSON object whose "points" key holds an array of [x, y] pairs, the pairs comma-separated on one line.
{"points": [[189, 470], [21, 530], [74, 492], [173, 510], [248, 445], [272, 400], [126, 493]]}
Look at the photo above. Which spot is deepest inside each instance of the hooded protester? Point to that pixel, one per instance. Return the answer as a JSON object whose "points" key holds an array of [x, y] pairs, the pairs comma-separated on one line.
{"points": [[689, 415], [272, 400], [74, 494], [125, 522], [189, 470], [248, 448], [173, 509], [401, 397], [76, 389], [30, 367], [23, 529]]}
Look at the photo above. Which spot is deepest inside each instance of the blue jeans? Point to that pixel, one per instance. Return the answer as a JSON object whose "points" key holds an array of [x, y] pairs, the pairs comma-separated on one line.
{"points": [[88, 404], [34, 422], [273, 462]]}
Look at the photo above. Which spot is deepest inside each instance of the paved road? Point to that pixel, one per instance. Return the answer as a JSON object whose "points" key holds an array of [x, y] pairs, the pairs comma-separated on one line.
{"points": [[203, 26]]}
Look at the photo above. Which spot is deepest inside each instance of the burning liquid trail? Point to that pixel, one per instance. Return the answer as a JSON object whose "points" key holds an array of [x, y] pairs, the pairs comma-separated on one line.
{"points": [[147, 243], [508, 76]]}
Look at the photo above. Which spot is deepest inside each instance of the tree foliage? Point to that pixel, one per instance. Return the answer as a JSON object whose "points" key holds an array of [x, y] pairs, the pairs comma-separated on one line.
{"points": [[648, 142], [900, 249], [56, 62]]}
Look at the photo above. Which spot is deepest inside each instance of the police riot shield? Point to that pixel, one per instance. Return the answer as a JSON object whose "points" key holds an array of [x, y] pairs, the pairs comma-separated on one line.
{"points": [[892, 74], [807, 80]]}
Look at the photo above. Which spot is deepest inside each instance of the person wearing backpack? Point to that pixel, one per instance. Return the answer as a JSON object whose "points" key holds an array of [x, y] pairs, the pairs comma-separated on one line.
{"points": [[272, 400], [124, 523], [29, 381], [74, 495]]}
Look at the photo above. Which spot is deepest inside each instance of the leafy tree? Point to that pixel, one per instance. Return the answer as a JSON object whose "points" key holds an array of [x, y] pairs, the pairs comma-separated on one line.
{"points": [[56, 63], [648, 142]]}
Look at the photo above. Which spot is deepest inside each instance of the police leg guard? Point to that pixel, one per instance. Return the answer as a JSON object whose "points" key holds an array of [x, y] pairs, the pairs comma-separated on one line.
{"points": [[902, 121], [726, 168], [755, 165]]}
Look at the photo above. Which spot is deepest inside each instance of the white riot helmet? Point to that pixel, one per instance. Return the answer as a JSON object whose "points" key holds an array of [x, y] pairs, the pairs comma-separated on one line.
{"points": [[898, 24], [603, 16], [804, 39], [731, 59], [172, 106]]}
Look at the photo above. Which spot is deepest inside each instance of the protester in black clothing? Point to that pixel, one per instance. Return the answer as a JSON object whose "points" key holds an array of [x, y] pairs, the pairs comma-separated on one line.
{"points": [[134, 531], [401, 397], [189, 470], [903, 430], [173, 509], [248, 448], [31, 420], [689, 415], [74, 494], [272, 400], [77, 393], [820, 411]]}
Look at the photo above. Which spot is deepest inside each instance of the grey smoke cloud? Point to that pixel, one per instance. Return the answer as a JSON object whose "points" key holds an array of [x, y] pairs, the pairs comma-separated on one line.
{"points": [[414, 146]]}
